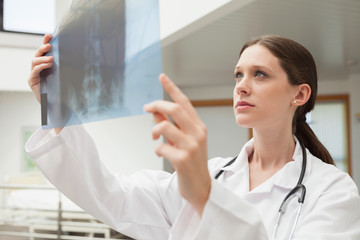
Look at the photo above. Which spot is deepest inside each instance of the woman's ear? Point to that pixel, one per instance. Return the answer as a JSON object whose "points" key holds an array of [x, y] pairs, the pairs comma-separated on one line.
{"points": [[302, 94]]}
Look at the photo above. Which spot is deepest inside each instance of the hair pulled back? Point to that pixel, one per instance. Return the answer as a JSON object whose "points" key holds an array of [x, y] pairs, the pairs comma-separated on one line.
{"points": [[300, 68]]}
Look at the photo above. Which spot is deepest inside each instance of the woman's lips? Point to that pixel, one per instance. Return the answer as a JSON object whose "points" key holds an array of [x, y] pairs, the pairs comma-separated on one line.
{"points": [[243, 105]]}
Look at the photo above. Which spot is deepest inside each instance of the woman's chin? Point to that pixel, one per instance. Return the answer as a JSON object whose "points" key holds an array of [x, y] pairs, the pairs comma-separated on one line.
{"points": [[246, 123]]}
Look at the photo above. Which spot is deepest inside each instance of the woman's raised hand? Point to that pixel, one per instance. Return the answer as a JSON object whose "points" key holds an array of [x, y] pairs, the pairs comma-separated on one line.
{"points": [[39, 63], [186, 143]]}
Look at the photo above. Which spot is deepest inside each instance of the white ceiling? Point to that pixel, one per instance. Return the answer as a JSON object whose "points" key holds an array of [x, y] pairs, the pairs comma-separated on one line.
{"points": [[205, 52]]}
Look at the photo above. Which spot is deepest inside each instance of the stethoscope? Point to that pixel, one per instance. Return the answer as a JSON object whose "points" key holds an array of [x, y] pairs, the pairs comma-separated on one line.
{"points": [[299, 187]]}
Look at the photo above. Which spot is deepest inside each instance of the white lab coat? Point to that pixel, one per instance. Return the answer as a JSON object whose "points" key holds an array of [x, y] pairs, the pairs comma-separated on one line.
{"points": [[147, 204]]}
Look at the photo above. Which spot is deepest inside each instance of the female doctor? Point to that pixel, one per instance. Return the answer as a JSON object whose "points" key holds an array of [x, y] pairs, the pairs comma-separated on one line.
{"points": [[275, 86]]}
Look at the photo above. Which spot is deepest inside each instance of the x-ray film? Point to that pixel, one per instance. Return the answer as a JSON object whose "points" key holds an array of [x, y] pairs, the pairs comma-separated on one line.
{"points": [[107, 59]]}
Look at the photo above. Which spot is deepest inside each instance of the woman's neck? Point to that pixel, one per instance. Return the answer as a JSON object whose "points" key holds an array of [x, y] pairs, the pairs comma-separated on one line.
{"points": [[273, 149], [271, 152]]}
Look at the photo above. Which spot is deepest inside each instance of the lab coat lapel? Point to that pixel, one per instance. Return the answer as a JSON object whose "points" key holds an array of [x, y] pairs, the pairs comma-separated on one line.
{"points": [[236, 176], [241, 160]]}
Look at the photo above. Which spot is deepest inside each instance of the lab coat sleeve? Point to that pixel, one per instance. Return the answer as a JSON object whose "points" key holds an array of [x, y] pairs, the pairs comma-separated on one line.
{"points": [[228, 216], [142, 206], [335, 214]]}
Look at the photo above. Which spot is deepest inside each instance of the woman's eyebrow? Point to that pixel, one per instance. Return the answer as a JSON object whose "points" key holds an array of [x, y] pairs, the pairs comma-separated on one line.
{"points": [[239, 68]]}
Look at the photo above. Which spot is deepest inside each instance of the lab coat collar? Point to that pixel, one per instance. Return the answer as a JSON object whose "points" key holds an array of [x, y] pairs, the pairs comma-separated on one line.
{"points": [[286, 177], [242, 159]]}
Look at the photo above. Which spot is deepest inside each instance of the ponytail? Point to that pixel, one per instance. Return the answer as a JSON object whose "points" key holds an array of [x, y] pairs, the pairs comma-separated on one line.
{"points": [[305, 135]]}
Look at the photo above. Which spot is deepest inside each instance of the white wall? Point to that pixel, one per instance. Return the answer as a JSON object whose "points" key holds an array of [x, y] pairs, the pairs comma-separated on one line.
{"points": [[15, 65], [125, 145], [225, 137], [17, 110]]}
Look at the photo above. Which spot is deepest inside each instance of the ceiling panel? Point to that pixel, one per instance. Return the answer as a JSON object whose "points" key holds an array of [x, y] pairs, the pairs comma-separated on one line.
{"points": [[330, 29]]}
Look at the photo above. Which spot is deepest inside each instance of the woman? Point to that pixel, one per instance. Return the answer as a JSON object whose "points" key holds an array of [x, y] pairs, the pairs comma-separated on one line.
{"points": [[275, 86]]}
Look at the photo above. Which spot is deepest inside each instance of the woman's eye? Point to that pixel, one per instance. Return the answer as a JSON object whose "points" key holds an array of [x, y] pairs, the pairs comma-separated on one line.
{"points": [[260, 74], [238, 75]]}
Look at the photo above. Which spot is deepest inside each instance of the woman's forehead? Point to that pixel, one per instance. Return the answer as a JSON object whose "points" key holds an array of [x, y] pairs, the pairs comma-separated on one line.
{"points": [[258, 55]]}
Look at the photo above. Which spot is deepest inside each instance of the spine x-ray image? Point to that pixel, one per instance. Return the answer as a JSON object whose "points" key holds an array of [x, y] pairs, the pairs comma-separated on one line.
{"points": [[107, 59]]}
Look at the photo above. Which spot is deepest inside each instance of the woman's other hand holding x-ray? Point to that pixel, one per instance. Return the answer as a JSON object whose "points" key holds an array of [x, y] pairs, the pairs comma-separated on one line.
{"points": [[39, 63], [186, 143]]}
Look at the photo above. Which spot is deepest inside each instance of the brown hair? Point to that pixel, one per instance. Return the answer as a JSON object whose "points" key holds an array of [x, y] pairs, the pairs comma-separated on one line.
{"points": [[300, 68]]}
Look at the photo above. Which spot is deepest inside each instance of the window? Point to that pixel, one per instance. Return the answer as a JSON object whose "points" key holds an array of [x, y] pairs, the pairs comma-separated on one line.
{"points": [[28, 16], [330, 122]]}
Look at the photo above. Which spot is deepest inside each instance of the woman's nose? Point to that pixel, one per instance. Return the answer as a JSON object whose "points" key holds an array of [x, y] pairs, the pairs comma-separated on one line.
{"points": [[242, 87]]}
